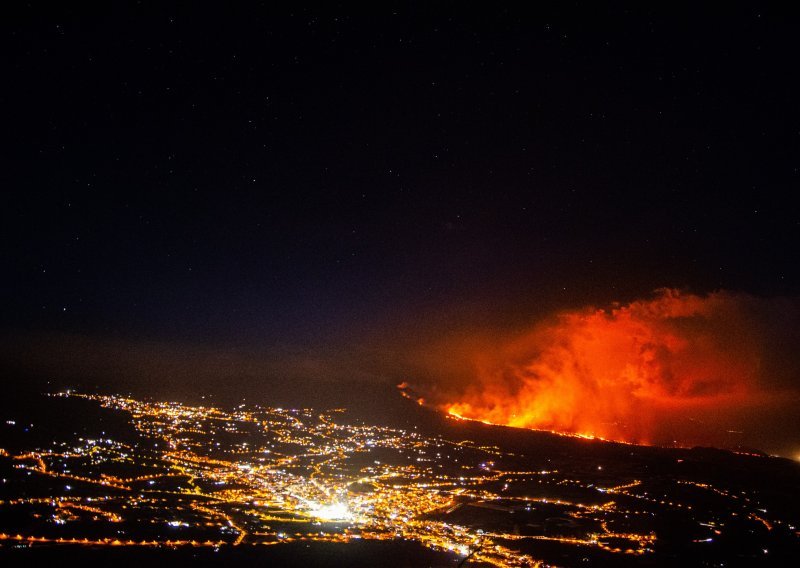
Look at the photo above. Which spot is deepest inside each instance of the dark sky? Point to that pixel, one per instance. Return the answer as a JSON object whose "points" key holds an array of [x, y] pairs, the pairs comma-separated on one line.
{"points": [[263, 177]]}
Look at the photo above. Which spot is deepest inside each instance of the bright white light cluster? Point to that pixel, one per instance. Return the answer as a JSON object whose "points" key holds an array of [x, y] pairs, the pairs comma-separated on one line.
{"points": [[331, 512]]}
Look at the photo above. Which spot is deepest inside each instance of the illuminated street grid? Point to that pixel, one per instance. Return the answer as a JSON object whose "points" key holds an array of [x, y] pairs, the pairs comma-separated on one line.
{"points": [[204, 476]]}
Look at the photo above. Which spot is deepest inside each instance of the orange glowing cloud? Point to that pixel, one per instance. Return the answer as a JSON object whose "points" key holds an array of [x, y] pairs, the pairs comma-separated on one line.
{"points": [[630, 372]]}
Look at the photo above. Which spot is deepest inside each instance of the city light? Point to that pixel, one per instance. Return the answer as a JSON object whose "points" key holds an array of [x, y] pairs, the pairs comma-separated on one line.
{"points": [[209, 477], [331, 512]]}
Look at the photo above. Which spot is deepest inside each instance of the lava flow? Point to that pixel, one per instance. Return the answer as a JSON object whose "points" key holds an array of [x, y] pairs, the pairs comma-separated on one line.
{"points": [[634, 373]]}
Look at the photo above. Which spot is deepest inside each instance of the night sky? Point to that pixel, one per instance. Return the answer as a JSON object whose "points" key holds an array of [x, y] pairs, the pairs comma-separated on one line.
{"points": [[325, 182]]}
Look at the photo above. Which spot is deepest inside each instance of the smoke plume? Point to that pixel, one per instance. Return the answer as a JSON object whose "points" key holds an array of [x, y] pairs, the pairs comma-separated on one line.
{"points": [[677, 365]]}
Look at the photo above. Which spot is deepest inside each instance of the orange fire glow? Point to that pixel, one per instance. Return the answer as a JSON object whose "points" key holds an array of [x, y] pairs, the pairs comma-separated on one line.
{"points": [[620, 373]]}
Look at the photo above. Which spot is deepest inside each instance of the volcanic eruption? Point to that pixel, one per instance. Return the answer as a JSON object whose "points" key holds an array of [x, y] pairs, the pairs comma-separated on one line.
{"points": [[650, 371]]}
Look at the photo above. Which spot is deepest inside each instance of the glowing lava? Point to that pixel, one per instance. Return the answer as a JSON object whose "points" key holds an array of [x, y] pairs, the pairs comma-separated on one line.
{"points": [[629, 373]]}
